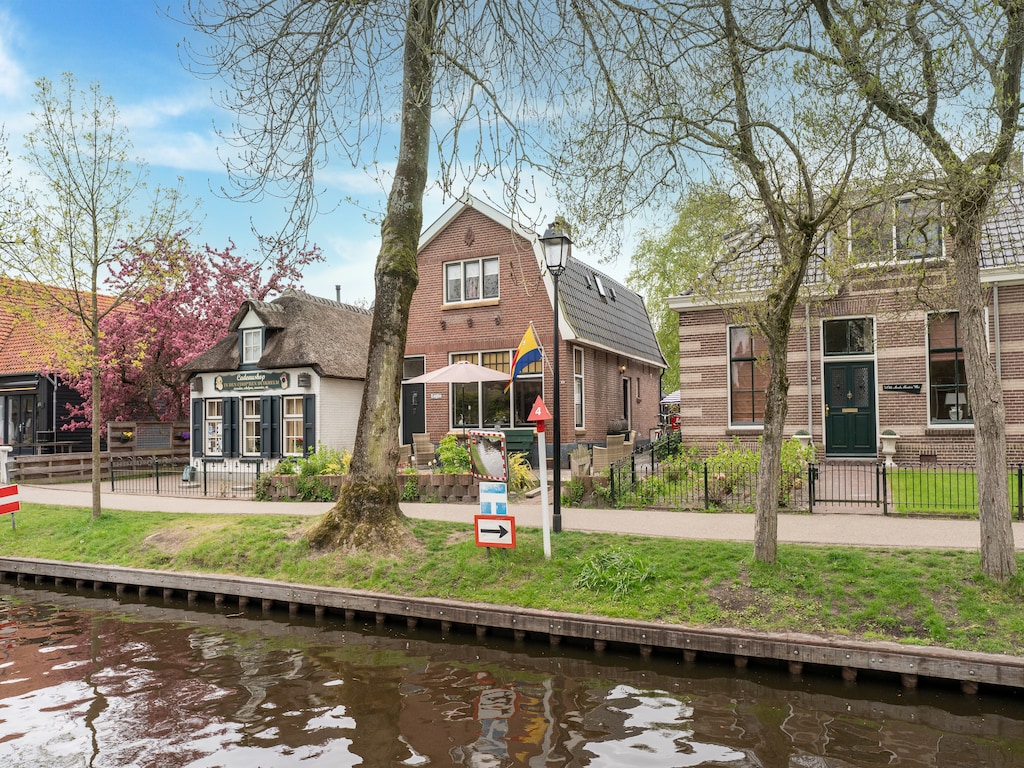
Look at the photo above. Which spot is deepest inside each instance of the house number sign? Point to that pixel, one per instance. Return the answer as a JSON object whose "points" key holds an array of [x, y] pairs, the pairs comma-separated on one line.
{"points": [[914, 389], [251, 381]]}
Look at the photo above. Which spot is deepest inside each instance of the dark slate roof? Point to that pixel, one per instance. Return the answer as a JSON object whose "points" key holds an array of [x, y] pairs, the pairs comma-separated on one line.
{"points": [[1002, 236], [302, 330], [617, 321]]}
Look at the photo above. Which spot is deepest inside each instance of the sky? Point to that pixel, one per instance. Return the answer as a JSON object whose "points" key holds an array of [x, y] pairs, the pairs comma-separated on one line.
{"points": [[133, 53]]}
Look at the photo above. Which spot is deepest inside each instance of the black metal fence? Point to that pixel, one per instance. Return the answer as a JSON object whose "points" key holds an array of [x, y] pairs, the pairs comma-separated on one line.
{"points": [[175, 476], [648, 479]]}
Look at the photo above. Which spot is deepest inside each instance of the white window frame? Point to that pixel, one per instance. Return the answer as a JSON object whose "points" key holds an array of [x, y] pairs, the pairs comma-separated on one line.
{"points": [[292, 416], [579, 388], [482, 268], [250, 426], [213, 427], [947, 423], [252, 345], [891, 209]]}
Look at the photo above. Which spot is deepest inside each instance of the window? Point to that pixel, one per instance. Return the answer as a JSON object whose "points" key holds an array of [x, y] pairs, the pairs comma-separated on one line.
{"points": [[251, 426], [213, 428], [577, 386], [252, 345], [471, 280], [486, 404], [947, 374], [748, 381], [908, 228], [293, 445], [853, 336]]}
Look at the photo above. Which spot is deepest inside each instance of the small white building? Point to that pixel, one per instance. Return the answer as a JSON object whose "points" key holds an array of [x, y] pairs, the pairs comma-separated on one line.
{"points": [[287, 376]]}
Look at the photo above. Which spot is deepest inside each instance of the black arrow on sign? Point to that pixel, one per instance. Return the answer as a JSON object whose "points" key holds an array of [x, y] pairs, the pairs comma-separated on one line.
{"points": [[500, 530]]}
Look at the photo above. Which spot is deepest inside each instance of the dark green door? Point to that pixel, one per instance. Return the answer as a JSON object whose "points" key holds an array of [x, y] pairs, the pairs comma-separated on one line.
{"points": [[850, 409]]}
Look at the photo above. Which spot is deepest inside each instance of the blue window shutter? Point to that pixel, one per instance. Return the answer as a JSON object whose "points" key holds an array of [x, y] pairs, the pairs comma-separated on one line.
{"points": [[308, 424], [197, 427]]}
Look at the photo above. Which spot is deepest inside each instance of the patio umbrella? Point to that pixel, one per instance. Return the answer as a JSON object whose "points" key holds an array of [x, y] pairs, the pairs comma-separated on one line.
{"points": [[462, 372], [671, 398]]}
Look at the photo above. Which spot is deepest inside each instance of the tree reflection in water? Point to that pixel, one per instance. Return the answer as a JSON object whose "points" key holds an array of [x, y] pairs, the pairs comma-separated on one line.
{"points": [[97, 682]]}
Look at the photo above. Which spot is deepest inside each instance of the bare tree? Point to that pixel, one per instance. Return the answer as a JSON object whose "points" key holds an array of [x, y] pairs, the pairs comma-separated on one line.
{"points": [[316, 82], [680, 87], [949, 75], [84, 199]]}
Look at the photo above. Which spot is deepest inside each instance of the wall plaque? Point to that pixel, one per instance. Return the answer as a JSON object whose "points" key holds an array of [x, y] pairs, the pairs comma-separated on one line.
{"points": [[914, 389], [251, 381]]}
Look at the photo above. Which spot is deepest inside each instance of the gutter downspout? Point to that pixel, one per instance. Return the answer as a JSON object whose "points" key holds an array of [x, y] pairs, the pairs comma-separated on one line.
{"points": [[998, 339], [810, 392]]}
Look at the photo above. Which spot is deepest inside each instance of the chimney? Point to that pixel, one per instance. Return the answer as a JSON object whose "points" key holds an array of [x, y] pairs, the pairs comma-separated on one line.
{"points": [[337, 293]]}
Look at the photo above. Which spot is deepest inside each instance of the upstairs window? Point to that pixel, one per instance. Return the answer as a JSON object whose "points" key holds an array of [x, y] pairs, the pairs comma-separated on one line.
{"points": [[472, 280], [853, 336], [903, 229], [252, 345]]}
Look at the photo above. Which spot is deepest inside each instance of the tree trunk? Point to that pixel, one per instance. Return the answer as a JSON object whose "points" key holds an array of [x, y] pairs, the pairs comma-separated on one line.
{"points": [[367, 515], [97, 411], [766, 503], [998, 558]]}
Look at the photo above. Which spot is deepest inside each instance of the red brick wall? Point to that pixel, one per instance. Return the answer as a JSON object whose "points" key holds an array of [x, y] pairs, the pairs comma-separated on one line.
{"points": [[435, 331], [900, 357]]}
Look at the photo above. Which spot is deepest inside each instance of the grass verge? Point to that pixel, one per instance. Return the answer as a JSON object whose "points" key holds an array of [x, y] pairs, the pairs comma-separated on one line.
{"points": [[914, 596]]}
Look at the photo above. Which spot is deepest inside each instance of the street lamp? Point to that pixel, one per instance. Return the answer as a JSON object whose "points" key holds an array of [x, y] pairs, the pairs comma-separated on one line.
{"points": [[557, 249]]}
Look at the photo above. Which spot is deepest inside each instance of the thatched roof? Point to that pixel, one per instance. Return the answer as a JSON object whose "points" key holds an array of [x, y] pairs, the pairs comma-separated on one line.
{"points": [[301, 330]]}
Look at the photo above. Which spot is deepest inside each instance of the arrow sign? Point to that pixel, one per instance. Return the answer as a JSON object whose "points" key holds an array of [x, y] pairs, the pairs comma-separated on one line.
{"points": [[495, 531]]}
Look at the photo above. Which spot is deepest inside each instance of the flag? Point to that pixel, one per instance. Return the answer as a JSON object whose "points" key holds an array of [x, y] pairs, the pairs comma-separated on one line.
{"points": [[527, 354]]}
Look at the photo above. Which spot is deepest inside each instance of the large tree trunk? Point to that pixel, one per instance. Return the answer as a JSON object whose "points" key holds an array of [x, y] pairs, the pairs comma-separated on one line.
{"points": [[769, 468], [998, 559], [367, 515]]}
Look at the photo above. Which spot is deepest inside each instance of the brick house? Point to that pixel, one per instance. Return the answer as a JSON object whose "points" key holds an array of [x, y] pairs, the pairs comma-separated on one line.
{"points": [[482, 284], [287, 375], [867, 356]]}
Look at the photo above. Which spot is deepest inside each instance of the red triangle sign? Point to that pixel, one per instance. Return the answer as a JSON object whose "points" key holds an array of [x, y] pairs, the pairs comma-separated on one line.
{"points": [[539, 412]]}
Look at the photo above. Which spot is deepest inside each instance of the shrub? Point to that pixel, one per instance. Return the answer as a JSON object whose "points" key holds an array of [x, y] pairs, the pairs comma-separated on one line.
{"points": [[520, 474], [453, 459], [572, 492], [615, 571], [411, 490]]}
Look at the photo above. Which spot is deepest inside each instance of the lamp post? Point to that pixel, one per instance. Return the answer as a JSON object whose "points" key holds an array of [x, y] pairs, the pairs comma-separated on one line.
{"points": [[557, 248]]}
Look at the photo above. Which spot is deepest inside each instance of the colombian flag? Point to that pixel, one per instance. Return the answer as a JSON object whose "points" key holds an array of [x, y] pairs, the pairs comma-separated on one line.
{"points": [[528, 353]]}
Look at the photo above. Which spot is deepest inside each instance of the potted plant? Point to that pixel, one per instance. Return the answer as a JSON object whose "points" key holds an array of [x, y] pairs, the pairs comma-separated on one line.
{"points": [[889, 438], [803, 436]]}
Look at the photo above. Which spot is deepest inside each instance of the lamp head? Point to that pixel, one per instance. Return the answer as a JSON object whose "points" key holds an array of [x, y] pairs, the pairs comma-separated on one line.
{"points": [[557, 248]]}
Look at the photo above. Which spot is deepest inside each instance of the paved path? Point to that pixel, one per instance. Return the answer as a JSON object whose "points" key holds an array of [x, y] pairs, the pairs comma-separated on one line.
{"points": [[845, 529]]}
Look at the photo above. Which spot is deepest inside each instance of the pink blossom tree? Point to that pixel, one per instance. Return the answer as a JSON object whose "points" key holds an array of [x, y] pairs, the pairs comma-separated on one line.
{"points": [[189, 300]]}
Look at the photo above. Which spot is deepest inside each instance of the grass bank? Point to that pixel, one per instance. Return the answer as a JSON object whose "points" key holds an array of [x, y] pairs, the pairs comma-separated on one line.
{"points": [[912, 596]]}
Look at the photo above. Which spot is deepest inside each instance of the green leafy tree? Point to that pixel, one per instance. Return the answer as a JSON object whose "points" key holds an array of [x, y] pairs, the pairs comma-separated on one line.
{"points": [[85, 200], [949, 77], [670, 262]]}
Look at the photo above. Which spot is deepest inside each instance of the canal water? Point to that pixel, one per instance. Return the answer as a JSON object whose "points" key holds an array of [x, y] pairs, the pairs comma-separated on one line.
{"points": [[94, 681]]}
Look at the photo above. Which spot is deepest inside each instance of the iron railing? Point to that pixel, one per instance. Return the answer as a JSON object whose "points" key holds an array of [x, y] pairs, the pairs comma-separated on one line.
{"points": [[646, 479], [176, 476]]}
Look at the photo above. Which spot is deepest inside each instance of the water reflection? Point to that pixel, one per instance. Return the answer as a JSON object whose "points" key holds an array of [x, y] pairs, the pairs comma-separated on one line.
{"points": [[92, 682]]}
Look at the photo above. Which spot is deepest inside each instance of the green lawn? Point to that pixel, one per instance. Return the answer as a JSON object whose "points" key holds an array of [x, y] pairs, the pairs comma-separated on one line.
{"points": [[913, 596], [940, 491]]}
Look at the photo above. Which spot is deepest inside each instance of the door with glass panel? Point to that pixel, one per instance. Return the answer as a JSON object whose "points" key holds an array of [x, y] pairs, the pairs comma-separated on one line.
{"points": [[850, 409]]}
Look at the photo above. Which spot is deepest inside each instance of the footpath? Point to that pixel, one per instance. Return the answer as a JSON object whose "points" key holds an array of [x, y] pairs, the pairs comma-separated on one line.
{"points": [[843, 528]]}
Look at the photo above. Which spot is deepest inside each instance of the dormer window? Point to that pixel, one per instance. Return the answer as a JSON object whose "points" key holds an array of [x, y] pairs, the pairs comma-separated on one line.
{"points": [[252, 345]]}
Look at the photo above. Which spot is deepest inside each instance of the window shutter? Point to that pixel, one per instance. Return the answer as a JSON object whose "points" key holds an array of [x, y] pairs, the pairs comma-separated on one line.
{"points": [[308, 424], [197, 427], [270, 426], [230, 426]]}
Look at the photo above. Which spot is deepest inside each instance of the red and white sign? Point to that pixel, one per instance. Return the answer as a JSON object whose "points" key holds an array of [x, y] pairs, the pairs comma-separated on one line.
{"points": [[9, 499], [495, 531]]}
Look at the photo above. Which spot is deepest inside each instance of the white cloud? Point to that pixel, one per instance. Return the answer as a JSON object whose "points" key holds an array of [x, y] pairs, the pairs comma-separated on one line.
{"points": [[14, 83]]}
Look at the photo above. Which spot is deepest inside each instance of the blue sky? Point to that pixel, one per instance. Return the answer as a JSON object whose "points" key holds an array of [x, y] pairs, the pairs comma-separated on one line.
{"points": [[132, 52]]}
